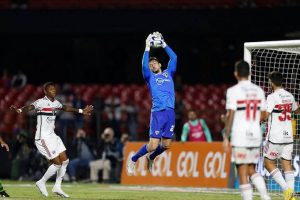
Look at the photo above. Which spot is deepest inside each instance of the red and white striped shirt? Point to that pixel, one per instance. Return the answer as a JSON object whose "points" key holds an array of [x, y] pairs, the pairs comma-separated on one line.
{"points": [[247, 100], [46, 114], [280, 105]]}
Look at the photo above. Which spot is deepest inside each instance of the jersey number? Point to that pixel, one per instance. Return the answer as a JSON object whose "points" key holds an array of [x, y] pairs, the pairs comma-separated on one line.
{"points": [[286, 110], [251, 105]]}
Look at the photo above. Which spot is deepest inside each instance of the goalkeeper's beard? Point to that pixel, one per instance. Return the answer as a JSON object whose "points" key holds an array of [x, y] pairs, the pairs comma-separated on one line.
{"points": [[157, 71]]}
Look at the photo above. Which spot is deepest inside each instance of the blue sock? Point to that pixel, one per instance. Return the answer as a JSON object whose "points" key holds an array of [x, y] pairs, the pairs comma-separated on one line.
{"points": [[140, 153], [157, 151]]}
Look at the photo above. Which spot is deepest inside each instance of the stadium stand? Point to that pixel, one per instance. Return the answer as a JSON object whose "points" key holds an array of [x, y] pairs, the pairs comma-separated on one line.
{"points": [[208, 99]]}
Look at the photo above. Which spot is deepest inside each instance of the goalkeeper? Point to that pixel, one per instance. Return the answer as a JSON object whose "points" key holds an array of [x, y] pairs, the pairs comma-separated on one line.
{"points": [[161, 87], [2, 191]]}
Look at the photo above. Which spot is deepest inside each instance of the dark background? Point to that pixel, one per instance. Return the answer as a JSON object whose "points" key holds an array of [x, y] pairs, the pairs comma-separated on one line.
{"points": [[106, 45]]}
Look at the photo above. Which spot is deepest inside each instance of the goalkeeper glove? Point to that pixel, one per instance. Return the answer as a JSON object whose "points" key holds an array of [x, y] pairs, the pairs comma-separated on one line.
{"points": [[158, 34], [148, 41]]}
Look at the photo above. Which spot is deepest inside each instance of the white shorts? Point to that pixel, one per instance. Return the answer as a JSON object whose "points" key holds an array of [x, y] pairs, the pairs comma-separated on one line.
{"points": [[275, 151], [245, 155], [50, 147]]}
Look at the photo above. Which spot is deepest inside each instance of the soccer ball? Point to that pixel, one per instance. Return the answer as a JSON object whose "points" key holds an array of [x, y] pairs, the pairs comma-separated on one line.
{"points": [[156, 41]]}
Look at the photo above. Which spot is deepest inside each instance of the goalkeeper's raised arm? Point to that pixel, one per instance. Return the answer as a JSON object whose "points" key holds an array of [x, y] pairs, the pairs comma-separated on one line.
{"points": [[152, 64], [145, 61], [173, 57]]}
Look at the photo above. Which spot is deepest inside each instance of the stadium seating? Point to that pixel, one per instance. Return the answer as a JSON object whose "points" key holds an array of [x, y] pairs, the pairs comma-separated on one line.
{"points": [[208, 99]]}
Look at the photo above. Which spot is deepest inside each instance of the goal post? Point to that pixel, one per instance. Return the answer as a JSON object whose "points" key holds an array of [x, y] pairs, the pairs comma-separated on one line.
{"points": [[282, 56]]}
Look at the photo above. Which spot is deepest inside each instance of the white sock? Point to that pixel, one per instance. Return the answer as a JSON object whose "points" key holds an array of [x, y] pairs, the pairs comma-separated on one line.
{"points": [[260, 185], [61, 172], [290, 179], [277, 176], [246, 191], [52, 169]]}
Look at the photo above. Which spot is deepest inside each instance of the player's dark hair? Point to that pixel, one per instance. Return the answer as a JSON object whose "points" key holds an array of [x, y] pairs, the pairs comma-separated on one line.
{"points": [[242, 68], [276, 78], [46, 85], [153, 58]]}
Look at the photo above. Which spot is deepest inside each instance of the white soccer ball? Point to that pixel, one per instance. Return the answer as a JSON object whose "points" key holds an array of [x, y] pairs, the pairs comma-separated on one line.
{"points": [[156, 41]]}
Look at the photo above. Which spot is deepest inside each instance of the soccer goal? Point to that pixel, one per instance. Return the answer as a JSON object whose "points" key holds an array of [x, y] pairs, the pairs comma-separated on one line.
{"points": [[282, 56]]}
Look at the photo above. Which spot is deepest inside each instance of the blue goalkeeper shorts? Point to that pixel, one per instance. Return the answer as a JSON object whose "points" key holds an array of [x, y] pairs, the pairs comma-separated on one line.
{"points": [[162, 124]]}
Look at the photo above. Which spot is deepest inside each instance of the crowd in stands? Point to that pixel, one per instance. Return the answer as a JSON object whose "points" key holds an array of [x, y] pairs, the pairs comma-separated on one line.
{"points": [[95, 143]]}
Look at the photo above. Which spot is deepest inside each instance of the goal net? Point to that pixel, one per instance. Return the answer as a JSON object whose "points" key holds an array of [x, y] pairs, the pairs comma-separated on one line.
{"points": [[282, 56]]}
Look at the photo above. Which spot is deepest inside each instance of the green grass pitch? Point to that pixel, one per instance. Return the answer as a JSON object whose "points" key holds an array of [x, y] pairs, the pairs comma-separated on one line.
{"points": [[27, 190]]}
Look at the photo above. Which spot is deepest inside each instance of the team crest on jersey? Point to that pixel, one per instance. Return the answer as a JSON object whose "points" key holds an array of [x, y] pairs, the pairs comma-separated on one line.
{"points": [[165, 74], [53, 152], [50, 119]]}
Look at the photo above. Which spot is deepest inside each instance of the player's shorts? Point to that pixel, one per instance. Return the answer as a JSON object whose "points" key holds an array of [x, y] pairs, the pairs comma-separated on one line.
{"points": [[245, 155], [275, 151], [162, 124], [51, 146]]}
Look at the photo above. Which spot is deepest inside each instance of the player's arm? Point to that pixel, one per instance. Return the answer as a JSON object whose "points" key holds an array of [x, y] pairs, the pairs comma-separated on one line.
{"points": [[24, 109], [231, 106], [267, 108], [86, 111], [227, 130], [145, 62], [264, 116], [172, 65], [228, 123], [3, 144], [185, 132], [296, 108], [206, 131]]}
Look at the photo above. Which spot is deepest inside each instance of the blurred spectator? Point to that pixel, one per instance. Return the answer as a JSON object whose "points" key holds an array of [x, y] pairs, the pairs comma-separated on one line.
{"points": [[82, 151], [78, 102], [195, 130], [20, 153], [98, 104], [5, 81], [20, 4], [123, 124], [107, 157], [112, 109], [66, 89], [179, 109], [132, 112], [246, 3], [19, 80], [66, 119], [124, 139]]}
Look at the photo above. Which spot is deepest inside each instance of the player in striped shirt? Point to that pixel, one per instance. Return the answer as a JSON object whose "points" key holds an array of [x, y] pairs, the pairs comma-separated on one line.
{"points": [[47, 142], [2, 191], [162, 121], [279, 139], [245, 102]]}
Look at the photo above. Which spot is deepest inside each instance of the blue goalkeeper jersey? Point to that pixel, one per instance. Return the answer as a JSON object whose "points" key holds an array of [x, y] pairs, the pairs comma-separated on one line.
{"points": [[161, 86]]}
